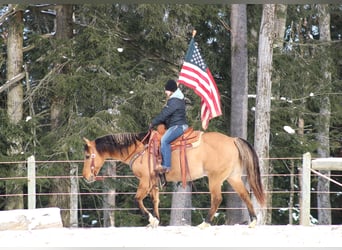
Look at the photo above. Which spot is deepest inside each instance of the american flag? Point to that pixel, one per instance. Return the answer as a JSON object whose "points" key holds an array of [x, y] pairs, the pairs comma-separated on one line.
{"points": [[196, 75]]}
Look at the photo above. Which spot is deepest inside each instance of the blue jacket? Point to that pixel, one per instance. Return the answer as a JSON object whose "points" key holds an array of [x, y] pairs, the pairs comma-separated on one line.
{"points": [[174, 112]]}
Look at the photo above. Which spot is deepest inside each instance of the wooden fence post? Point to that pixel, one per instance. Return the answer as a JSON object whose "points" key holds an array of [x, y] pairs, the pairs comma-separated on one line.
{"points": [[31, 182], [305, 201]]}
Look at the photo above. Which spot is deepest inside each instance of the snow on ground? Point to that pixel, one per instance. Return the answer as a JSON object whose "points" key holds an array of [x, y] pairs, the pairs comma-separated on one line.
{"points": [[176, 236]]}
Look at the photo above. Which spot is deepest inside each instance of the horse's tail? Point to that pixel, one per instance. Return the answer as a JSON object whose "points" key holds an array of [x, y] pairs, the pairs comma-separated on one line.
{"points": [[250, 160]]}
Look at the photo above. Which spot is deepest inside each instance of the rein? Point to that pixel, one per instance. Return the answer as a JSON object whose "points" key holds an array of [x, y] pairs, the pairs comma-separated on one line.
{"points": [[148, 134], [139, 153]]}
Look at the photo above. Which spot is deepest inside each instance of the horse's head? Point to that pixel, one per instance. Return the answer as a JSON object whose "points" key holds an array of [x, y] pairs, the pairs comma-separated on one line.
{"points": [[93, 161]]}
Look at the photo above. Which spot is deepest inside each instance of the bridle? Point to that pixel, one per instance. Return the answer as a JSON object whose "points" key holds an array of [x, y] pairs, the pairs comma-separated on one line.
{"points": [[92, 164]]}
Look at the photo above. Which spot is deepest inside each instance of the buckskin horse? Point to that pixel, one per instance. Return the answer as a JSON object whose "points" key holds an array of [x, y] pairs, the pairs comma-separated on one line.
{"points": [[215, 155]]}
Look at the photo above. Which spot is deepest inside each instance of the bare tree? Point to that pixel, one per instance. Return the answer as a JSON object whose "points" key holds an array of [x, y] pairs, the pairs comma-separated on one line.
{"points": [[181, 204], [263, 99], [63, 32], [109, 198], [237, 212], [280, 25], [15, 102], [62, 185], [323, 185]]}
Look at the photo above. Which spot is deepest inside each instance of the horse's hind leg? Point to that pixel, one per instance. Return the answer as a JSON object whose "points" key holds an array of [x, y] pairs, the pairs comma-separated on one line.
{"points": [[238, 185]]}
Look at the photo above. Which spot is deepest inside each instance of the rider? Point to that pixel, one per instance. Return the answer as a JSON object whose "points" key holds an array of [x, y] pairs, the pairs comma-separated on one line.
{"points": [[173, 115]]}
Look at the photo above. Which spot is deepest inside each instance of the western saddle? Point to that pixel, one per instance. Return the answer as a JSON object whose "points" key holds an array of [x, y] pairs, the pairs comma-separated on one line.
{"points": [[190, 139]]}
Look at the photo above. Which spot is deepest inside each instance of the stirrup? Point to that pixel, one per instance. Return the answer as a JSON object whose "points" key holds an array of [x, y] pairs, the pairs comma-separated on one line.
{"points": [[162, 180]]}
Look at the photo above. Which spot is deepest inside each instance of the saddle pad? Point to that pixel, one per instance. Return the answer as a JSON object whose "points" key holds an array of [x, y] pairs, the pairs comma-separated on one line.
{"points": [[190, 137]]}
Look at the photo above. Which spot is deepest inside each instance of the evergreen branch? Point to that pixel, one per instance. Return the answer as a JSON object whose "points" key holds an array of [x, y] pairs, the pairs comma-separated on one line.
{"points": [[46, 79], [11, 10], [225, 25]]}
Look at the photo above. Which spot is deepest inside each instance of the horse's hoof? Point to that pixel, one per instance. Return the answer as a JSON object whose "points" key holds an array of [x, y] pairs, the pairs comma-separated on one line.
{"points": [[252, 224], [203, 225], [154, 222]]}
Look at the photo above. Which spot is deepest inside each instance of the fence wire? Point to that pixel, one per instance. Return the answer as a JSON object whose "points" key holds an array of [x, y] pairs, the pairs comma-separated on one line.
{"points": [[97, 192]]}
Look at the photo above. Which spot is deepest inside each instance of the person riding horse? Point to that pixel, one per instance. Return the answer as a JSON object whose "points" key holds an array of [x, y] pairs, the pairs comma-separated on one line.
{"points": [[173, 115], [216, 156]]}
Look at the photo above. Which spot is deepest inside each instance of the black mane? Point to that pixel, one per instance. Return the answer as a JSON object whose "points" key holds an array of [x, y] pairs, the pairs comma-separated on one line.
{"points": [[118, 142]]}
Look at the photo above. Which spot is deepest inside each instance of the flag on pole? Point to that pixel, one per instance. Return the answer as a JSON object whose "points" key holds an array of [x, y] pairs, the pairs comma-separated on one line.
{"points": [[196, 75]]}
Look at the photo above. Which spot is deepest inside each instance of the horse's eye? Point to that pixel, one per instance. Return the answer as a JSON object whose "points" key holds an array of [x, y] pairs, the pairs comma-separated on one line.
{"points": [[87, 156]]}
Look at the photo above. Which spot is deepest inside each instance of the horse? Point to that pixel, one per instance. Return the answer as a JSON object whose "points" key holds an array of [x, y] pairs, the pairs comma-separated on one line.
{"points": [[217, 156]]}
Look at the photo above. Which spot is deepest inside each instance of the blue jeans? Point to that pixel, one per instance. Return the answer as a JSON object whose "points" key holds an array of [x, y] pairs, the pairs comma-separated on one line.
{"points": [[170, 135]]}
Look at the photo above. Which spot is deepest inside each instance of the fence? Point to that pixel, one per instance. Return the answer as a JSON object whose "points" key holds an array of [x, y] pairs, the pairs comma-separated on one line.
{"points": [[305, 169], [312, 166]]}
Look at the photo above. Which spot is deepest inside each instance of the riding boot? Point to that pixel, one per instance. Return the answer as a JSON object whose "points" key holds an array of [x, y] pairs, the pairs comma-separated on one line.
{"points": [[159, 169]]}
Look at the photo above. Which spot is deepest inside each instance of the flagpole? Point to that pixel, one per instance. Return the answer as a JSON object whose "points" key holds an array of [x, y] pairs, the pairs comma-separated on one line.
{"points": [[194, 33]]}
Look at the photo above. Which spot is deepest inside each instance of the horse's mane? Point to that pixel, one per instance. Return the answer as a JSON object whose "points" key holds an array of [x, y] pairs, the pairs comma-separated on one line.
{"points": [[119, 142]]}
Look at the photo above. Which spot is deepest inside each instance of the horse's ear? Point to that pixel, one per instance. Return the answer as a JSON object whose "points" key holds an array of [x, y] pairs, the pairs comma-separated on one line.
{"points": [[86, 141]]}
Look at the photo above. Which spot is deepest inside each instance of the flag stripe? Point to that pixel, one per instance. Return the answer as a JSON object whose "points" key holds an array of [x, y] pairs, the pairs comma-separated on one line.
{"points": [[215, 92], [193, 83], [206, 115], [193, 77]]}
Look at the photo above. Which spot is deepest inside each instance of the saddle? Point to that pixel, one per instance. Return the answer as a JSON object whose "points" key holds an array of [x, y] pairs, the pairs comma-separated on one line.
{"points": [[190, 139]]}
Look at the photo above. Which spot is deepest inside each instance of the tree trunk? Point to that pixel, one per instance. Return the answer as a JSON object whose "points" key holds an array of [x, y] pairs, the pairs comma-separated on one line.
{"points": [[109, 198], [323, 150], [263, 102], [280, 25], [181, 204], [279, 30], [63, 32], [239, 71], [237, 212], [15, 104], [74, 190], [64, 21]]}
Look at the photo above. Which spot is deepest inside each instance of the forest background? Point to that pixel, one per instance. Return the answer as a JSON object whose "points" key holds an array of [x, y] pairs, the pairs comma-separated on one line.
{"points": [[69, 71]]}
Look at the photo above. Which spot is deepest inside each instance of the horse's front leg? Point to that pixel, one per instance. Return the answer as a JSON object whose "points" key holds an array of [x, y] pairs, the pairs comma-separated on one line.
{"points": [[142, 192]]}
